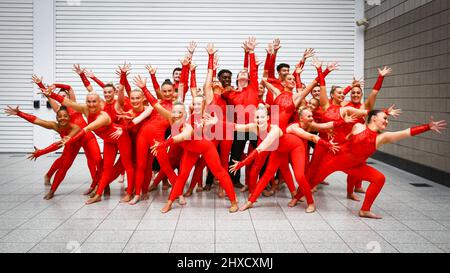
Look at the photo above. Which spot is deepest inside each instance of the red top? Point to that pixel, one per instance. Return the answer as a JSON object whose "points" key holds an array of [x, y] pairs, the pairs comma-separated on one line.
{"points": [[76, 118], [105, 131], [361, 120], [362, 145], [333, 114], [277, 84], [286, 107], [112, 112]]}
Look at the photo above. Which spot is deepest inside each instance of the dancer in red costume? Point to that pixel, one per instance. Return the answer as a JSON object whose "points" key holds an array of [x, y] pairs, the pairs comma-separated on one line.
{"points": [[115, 139], [91, 148], [65, 128], [356, 97], [364, 141], [281, 146], [194, 147]]}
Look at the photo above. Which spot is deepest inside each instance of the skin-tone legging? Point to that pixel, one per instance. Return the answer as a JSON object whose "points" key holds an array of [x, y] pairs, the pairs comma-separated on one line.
{"points": [[193, 149], [293, 148], [358, 169], [93, 156]]}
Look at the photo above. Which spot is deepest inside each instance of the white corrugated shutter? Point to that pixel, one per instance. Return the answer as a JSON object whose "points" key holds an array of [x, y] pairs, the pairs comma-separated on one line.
{"points": [[16, 68], [102, 34]]}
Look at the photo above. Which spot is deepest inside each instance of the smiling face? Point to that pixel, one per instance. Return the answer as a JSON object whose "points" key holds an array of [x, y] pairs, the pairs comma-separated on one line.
{"points": [[261, 117], [167, 91], [178, 113], [338, 95], [283, 73], [289, 82], [313, 104], [198, 104], [137, 100], [93, 103], [108, 93], [380, 120], [356, 95], [316, 92], [261, 90], [63, 118], [176, 75], [225, 79], [306, 116]]}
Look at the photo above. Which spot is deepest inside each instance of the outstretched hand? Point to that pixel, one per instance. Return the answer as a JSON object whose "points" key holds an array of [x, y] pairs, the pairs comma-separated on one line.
{"points": [[392, 111], [155, 147], [34, 155], [12, 111], [235, 167], [77, 69], [151, 69], [437, 126], [36, 79], [385, 71], [140, 82]]}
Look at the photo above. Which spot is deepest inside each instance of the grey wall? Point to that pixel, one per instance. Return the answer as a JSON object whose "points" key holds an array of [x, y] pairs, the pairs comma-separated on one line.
{"points": [[412, 37]]}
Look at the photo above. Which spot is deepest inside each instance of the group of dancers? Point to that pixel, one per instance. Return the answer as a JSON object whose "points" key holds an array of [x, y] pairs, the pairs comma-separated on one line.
{"points": [[271, 114]]}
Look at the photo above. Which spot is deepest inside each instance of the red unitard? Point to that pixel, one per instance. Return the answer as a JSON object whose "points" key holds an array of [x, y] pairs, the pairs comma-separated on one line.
{"points": [[153, 130], [352, 161], [293, 148], [110, 149]]}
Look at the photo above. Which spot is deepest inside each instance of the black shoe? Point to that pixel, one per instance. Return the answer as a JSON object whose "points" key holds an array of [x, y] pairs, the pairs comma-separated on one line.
{"points": [[238, 185]]}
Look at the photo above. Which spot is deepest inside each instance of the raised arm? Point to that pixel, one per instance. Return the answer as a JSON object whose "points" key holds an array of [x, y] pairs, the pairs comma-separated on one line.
{"points": [[184, 78], [152, 71], [81, 108], [142, 83], [275, 91], [81, 72], [31, 118], [296, 130], [193, 81], [324, 101], [92, 76], [370, 103], [123, 73], [212, 64], [391, 137]]}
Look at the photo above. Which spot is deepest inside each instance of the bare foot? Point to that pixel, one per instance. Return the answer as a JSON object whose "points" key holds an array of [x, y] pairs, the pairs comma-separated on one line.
{"points": [[221, 193], [244, 189], [107, 191], [353, 197], [207, 188], [302, 199], [368, 214], [88, 192], [234, 207], [293, 203], [95, 199], [166, 185], [199, 189], [188, 193], [267, 193], [360, 190], [126, 199], [167, 207], [145, 196], [314, 189], [47, 181], [182, 200], [49, 195], [152, 188], [293, 194], [247, 206], [121, 179], [135, 200], [311, 208]]}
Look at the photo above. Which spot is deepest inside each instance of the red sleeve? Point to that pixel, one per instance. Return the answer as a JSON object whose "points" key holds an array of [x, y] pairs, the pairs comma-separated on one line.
{"points": [[155, 82], [193, 79], [40, 85], [85, 80], [125, 83], [63, 86], [27, 117], [98, 81], [246, 55], [298, 80], [273, 59], [47, 150], [347, 89]]}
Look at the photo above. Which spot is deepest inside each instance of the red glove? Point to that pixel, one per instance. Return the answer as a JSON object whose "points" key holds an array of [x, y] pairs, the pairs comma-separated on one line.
{"points": [[267, 63], [379, 83], [98, 81], [152, 100], [41, 85], [248, 160], [348, 89], [85, 80], [57, 97], [325, 74], [63, 86], [420, 129], [325, 143], [155, 82], [27, 117], [321, 76], [193, 79], [49, 149], [246, 60], [124, 82], [210, 61], [298, 80]]}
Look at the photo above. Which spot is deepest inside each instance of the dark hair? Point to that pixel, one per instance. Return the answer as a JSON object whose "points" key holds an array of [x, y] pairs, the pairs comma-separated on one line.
{"points": [[175, 70], [283, 65], [166, 82], [110, 85], [64, 90], [333, 89], [223, 71], [62, 108], [372, 114]]}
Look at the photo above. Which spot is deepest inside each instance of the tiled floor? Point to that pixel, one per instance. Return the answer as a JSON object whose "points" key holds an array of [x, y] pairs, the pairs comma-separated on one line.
{"points": [[415, 219]]}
